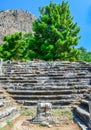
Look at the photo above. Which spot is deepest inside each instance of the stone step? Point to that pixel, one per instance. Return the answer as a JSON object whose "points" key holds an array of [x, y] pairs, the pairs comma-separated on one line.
{"points": [[56, 83], [57, 63], [46, 92], [53, 70], [81, 124], [54, 102], [83, 115], [45, 83], [61, 82], [86, 96], [53, 106], [3, 78], [85, 105], [45, 97], [46, 76], [46, 70], [49, 64], [58, 76], [85, 102], [6, 103], [46, 88], [7, 112], [59, 71], [18, 81], [55, 75]]}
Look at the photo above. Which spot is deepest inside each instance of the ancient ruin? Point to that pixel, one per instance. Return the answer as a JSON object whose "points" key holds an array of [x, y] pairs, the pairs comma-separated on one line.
{"points": [[62, 84], [43, 115]]}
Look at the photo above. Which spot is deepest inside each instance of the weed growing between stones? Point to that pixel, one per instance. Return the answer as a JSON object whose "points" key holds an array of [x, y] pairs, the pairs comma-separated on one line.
{"points": [[63, 114], [9, 123], [28, 112], [57, 113], [2, 129]]}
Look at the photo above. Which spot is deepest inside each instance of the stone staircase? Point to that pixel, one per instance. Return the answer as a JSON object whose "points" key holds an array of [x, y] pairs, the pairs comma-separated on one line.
{"points": [[8, 109], [63, 84], [82, 114]]}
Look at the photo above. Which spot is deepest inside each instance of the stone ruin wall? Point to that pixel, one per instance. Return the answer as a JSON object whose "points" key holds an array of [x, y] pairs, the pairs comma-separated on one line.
{"points": [[60, 83]]}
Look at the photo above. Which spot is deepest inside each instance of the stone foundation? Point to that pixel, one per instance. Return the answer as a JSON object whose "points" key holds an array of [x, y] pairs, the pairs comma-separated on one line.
{"points": [[43, 115], [63, 84]]}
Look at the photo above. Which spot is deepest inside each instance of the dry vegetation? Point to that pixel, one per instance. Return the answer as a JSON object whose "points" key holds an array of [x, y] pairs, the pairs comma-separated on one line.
{"points": [[63, 117]]}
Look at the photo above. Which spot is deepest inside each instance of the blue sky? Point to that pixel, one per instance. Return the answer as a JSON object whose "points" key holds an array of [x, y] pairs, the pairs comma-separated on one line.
{"points": [[80, 9]]}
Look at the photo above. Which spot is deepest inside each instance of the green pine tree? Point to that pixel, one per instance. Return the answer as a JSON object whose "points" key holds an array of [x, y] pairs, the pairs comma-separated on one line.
{"points": [[13, 47], [55, 33], [84, 55]]}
